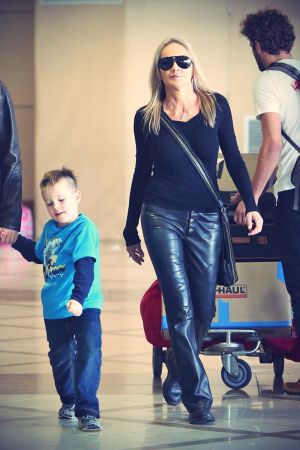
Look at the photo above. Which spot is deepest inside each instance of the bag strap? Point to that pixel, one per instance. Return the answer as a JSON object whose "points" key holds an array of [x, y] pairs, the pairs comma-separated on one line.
{"points": [[293, 144], [184, 144], [295, 74], [285, 68]]}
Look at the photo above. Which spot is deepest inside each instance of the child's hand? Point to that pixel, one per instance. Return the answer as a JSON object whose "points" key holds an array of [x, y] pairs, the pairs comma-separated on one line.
{"points": [[73, 306]]}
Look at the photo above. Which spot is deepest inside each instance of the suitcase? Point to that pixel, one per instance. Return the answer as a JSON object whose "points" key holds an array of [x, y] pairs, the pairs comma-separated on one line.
{"points": [[261, 247]]}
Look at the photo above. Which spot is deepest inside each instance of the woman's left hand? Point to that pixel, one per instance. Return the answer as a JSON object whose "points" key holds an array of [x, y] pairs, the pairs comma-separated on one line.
{"points": [[254, 222]]}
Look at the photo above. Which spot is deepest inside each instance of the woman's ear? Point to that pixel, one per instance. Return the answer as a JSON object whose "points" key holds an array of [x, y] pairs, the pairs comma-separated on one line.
{"points": [[193, 73]]}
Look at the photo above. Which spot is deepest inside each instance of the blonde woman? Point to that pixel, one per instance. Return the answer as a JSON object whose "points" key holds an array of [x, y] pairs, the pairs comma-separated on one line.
{"points": [[180, 219]]}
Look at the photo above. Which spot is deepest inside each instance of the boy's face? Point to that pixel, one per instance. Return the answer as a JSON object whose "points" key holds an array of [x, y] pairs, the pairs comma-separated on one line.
{"points": [[62, 200]]}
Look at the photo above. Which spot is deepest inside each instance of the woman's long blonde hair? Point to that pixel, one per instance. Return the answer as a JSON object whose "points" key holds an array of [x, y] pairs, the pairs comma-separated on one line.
{"points": [[153, 109]]}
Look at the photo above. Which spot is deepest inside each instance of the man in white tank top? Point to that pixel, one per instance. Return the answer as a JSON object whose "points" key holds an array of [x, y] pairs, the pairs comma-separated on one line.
{"points": [[277, 105]]}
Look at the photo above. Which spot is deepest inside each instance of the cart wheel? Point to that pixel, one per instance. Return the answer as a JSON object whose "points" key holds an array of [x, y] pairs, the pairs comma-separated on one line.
{"points": [[242, 379], [158, 358], [278, 366]]}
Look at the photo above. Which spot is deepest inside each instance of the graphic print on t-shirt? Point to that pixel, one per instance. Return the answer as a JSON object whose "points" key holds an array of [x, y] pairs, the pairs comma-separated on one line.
{"points": [[51, 270]]}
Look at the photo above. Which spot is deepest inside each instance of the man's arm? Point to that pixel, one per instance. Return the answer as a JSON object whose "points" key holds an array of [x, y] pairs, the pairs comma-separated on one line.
{"points": [[267, 161], [269, 152]]}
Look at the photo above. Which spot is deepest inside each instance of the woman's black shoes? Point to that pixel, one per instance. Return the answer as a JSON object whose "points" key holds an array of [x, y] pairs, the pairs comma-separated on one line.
{"points": [[171, 391], [171, 388], [201, 417], [172, 394]]}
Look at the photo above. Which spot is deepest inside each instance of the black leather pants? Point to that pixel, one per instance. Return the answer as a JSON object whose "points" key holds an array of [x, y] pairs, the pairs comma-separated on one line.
{"points": [[184, 247]]}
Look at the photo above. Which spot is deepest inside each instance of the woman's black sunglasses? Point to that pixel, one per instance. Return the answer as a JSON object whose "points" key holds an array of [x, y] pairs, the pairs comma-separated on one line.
{"points": [[166, 63]]}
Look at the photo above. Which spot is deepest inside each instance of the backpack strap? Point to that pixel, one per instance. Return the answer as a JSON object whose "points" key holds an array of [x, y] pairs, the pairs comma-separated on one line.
{"points": [[295, 74], [286, 68], [293, 144]]}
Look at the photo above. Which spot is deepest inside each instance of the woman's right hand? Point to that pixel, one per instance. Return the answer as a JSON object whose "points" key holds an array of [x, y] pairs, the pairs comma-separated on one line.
{"points": [[136, 253]]}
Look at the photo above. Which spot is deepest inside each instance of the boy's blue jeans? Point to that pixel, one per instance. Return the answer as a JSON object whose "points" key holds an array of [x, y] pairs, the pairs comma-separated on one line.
{"points": [[75, 357]]}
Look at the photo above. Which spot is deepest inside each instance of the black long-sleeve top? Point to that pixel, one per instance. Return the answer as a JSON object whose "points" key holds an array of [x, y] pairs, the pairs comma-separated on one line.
{"points": [[84, 268], [164, 175]]}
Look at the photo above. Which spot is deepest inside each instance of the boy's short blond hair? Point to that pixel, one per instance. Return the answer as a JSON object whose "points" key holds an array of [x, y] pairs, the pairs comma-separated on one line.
{"points": [[53, 176]]}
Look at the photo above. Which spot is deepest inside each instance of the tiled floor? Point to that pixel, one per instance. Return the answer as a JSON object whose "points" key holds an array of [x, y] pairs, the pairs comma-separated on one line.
{"points": [[134, 414]]}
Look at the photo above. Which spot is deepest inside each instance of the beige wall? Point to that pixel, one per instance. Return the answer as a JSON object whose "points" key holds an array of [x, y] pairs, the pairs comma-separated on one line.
{"points": [[16, 70], [91, 69], [80, 105]]}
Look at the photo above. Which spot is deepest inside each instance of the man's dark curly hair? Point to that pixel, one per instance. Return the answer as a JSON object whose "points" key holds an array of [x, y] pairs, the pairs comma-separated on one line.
{"points": [[271, 29]]}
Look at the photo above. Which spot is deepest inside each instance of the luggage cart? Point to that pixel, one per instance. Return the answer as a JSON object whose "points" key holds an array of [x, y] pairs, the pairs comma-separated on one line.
{"points": [[249, 316], [236, 373]]}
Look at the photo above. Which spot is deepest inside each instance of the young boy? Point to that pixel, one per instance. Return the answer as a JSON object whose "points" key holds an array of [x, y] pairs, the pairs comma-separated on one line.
{"points": [[69, 251]]}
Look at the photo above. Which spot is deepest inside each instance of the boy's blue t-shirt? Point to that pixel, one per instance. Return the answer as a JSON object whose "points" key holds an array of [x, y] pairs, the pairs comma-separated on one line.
{"points": [[59, 248]]}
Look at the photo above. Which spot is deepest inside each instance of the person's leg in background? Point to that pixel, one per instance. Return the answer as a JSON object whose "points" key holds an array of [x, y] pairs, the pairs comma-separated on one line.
{"points": [[288, 222]]}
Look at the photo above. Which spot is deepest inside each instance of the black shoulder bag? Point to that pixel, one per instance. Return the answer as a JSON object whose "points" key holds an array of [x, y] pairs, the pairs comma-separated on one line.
{"points": [[227, 274], [295, 176]]}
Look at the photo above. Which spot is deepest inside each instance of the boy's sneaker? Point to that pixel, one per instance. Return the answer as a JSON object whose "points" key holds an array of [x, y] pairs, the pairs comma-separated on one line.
{"points": [[66, 412], [89, 423]]}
